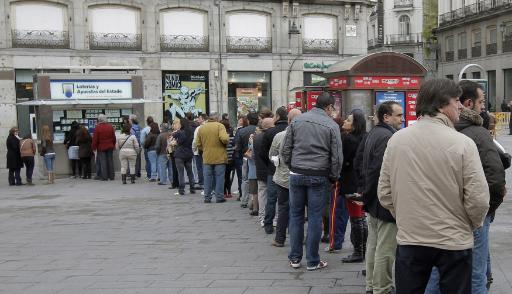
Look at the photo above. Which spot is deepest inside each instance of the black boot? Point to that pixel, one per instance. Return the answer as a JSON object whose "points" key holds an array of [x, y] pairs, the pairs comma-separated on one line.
{"points": [[123, 178], [132, 179], [357, 231]]}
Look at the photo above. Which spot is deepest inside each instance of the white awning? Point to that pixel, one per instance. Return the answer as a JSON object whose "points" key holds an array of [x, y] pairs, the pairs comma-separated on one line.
{"points": [[61, 102]]}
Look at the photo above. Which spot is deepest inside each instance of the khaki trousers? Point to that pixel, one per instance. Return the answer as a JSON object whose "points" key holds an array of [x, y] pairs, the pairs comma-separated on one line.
{"points": [[380, 255], [127, 161]]}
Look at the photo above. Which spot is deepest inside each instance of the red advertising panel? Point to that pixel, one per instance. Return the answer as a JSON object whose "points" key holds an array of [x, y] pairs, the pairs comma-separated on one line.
{"points": [[386, 82], [312, 96], [338, 83], [410, 107], [298, 99]]}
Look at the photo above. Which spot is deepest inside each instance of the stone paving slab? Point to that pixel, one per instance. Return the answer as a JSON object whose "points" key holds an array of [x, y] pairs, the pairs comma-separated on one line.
{"points": [[84, 236]]}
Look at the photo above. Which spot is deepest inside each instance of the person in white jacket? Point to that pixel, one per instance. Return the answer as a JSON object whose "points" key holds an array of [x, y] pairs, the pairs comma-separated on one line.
{"points": [[128, 147]]}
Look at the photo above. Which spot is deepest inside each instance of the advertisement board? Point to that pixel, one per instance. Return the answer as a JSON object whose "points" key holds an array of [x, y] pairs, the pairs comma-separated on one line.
{"points": [[386, 82], [184, 92], [247, 100], [410, 107], [312, 96], [90, 89]]}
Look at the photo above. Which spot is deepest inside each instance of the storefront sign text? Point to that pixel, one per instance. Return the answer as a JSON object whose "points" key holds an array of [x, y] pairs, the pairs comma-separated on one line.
{"points": [[320, 66], [90, 89], [386, 82]]}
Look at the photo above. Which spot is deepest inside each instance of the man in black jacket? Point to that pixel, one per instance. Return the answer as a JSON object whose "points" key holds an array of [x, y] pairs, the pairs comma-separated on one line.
{"points": [[281, 123], [470, 124], [381, 244]]}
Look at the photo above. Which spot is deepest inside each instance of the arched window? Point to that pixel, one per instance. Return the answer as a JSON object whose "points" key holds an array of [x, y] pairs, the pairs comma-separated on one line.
{"points": [[248, 31], [320, 34], [174, 36], [404, 27], [39, 25], [114, 27]]}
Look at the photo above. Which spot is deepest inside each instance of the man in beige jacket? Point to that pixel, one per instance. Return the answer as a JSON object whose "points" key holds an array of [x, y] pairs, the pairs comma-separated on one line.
{"points": [[433, 183]]}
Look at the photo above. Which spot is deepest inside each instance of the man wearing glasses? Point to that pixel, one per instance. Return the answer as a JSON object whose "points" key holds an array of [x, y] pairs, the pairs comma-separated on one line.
{"points": [[312, 150]]}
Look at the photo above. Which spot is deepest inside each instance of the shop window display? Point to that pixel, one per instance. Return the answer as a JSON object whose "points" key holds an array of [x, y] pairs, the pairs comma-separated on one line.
{"points": [[248, 91]]}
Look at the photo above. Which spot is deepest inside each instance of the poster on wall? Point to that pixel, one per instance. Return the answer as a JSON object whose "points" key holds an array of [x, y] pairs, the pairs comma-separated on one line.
{"points": [[410, 107], [381, 96], [184, 92], [247, 100]]}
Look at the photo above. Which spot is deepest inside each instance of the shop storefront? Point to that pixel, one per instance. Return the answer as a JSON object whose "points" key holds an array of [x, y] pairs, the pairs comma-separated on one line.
{"points": [[248, 91], [61, 99], [184, 92]]}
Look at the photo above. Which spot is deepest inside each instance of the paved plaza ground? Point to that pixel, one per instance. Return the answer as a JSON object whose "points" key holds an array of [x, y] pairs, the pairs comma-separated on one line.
{"points": [[85, 236]]}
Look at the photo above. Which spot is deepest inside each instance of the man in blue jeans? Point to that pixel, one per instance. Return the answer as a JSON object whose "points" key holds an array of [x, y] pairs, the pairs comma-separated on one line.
{"points": [[312, 150], [470, 124], [212, 139]]}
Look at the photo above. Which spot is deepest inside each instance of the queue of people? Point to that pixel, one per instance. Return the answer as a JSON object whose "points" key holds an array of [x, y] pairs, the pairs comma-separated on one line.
{"points": [[419, 200]]}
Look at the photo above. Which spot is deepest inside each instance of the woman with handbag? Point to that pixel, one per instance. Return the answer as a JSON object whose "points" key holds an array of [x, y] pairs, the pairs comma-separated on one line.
{"points": [[129, 147], [48, 153], [84, 141], [183, 154], [28, 151], [72, 146]]}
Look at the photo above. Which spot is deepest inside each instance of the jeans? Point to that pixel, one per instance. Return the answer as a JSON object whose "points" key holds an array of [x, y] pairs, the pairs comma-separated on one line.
{"points": [[214, 173], [199, 166], [338, 218], [480, 258], [183, 165], [238, 168], [14, 176], [270, 208], [138, 165], [310, 191], [414, 265], [380, 255], [164, 169], [152, 159], [28, 162], [148, 164], [49, 161], [107, 164], [97, 162], [245, 184], [283, 214]]}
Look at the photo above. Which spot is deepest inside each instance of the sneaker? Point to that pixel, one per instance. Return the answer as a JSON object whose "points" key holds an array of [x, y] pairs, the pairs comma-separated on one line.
{"points": [[202, 193], [295, 263], [274, 223], [276, 244], [262, 224], [243, 205], [152, 180], [320, 265], [253, 213], [220, 200], [179, 193], [162, 184], [328, 249], [207, 201]]}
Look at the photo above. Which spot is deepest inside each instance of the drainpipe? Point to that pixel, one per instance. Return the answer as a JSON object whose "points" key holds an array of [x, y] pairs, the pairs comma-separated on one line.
{"points": [[221, 69]]}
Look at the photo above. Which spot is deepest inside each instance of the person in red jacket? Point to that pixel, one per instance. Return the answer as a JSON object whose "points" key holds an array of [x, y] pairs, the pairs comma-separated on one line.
{"points": [[103, 144]]}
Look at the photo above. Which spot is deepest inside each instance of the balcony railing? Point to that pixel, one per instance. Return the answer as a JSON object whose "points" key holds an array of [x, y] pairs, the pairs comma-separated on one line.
{"points": [[476, 51], [404, 3], [491, 49], [507, 43], [403, 39], [184, 43], [482, 7], [40, 39], [320, 46], [115, 41], [449, 55], [462, 53], [237, 44]]}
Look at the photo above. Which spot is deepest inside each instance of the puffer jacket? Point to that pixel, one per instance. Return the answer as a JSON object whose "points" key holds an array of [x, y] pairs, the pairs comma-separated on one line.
{"points": [[433, 183], [470, 124], [128, 144], [312, 145], [282, 175]]}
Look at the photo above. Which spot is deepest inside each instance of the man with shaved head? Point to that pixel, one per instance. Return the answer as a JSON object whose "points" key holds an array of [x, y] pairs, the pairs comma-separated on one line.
{"points": [[280, 178]]}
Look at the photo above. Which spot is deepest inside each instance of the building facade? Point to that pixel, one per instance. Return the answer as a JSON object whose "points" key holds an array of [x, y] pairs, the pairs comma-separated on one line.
{"points": [[197, 55], [403, 26], [478, 32]]}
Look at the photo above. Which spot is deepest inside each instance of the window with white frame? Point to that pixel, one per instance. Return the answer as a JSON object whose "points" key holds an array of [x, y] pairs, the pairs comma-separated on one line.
{"points": [[114, 27], [320, 33], [404, 25], [248, 31], [39, 24], [174, 36]]}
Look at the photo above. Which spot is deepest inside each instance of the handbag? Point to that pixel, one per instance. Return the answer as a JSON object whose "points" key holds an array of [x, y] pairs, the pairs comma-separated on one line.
{"points": [[171, 145], [73, 152]]}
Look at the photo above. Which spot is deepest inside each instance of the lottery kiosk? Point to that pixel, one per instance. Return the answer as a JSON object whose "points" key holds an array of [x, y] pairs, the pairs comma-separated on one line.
{"points": [[368, 80], [61, 99]]}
